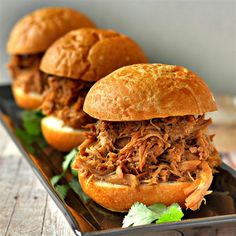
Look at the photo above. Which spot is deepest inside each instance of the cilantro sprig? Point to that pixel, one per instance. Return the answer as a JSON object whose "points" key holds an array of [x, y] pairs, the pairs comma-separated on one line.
{"points": [[172, 213], [140, 214], [32, 122], [73, 183], [62, 189], [31, 133]]}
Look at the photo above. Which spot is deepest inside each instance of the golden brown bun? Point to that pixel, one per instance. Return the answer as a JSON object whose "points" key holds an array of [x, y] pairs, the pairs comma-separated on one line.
{"points": [[62, 138], [27, 101], [35, 32], [90, 54], [121, 197], [146, 91]]}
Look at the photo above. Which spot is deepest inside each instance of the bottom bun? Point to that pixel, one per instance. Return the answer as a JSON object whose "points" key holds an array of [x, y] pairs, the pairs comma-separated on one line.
{"points": [[120, 198], [26, 100], [59, 136]]}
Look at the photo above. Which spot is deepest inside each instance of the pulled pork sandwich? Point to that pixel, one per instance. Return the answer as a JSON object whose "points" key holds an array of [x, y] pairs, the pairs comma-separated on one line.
{"points": [[28, 41], [150, 143], [72, 64]]}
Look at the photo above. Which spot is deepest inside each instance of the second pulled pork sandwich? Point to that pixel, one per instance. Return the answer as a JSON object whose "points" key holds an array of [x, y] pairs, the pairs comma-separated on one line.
{"points": [[150, 143], [28, 41], [73, 63]]}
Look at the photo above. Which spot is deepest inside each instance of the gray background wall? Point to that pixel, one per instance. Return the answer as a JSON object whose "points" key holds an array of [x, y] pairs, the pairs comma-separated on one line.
{"points": [[198, 34]]}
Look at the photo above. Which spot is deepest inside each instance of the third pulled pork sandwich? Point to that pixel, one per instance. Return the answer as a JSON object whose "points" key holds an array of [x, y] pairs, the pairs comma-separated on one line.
{"points": [[73, 63], [28, 41], [150, 143]]}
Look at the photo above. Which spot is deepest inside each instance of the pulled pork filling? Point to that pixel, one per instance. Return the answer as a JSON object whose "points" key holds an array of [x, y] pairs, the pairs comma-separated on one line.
{"points": [[25, 71], [159, 150], [64, 98]]}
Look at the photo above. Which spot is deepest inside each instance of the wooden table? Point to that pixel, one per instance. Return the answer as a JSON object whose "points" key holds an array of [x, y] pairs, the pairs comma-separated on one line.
{"points": [[27, 209]]}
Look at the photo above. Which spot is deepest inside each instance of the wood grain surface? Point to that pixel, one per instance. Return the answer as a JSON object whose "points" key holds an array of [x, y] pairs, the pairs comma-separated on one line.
{"points": [[25, 207]]}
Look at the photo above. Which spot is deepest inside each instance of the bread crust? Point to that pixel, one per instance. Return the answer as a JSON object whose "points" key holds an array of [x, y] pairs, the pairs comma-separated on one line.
{"points": [[120, 198], [36, 31], [147, 91], [29, 101], [62, 138], [90, 54]]}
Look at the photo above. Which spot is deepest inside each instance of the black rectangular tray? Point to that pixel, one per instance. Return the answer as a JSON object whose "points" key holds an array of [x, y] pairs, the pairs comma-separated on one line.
{"points": [[85, 217]]}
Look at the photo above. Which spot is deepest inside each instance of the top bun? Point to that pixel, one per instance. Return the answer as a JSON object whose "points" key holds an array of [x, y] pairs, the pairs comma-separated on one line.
{"points": [[35, 32], [90, 54], [147, 91]]}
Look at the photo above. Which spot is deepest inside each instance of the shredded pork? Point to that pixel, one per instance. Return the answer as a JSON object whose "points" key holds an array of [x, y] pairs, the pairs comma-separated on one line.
{"points": [[152, 152], [64, 98], [25, 72]]}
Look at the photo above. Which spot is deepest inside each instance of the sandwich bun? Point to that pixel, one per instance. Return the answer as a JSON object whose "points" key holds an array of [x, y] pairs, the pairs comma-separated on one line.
{"points": [[59, 136], [35, 32], [136, 93], [24, 100], [147, 91], [90, 54], [120, 198]]}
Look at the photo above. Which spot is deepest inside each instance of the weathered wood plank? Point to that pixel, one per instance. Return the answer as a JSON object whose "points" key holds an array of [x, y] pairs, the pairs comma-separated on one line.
{"points": [[224, 124], [9, 168], [25, 206], [55, 222], [28, 214], [3, 138], [23, 199], [225, 138]]}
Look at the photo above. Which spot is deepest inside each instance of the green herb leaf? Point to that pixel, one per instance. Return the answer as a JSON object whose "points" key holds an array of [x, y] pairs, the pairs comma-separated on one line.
{"points": [[139, 214], [62, 190], [158, 208], [75, 185], [55, 179], [74, 172], [31, 122], [171, 214], [26, 140], [23, 136], [69, 159], [31, 134], [41, 141]]}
